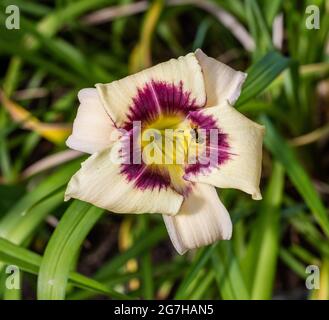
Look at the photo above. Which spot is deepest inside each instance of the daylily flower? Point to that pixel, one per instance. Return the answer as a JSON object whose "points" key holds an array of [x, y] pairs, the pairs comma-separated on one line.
{"points": [[191, 93]]}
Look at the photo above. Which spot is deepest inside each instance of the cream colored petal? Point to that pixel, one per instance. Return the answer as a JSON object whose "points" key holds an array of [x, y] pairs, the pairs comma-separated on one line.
{"points": [[222, 82], [117, 96], [100, 182], [93, 129], [202, 220], [243, 169]]}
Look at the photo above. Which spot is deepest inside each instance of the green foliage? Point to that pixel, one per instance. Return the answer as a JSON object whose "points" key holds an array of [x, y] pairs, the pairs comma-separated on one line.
{"points": [[61, 48], [62, 248]]}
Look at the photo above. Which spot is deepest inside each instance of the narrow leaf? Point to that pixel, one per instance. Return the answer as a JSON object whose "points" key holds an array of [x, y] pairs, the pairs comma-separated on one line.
{"points": [[298, 176], [30, 262], [62, 247], [261, 74]]}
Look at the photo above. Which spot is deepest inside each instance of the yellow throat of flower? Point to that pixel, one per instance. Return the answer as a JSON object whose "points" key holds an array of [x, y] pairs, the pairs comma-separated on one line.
{"points": [[168, 141]]}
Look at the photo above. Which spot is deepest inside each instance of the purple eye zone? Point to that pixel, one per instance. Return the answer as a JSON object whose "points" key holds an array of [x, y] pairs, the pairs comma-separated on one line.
{"points": [[215, 140], [159, 98]]}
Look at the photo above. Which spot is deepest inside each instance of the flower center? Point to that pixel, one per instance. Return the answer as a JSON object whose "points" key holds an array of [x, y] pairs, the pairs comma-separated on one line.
{"points": [[166, 141], [170, 140]]}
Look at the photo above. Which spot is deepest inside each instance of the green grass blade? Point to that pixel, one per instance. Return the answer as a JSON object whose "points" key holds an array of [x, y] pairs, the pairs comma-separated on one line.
{"points": [[258, 26], [33, 217], [30, 262], [63, 246], [51, 24], [261, 74], [25, 227], [108, 272], [204, 286], [293, 263], [196, 266], [224, 287], [146, 240], [270, 9], [232, 278], [10, 221], [268, 229], [26, 260], [146, 265], [298, 176]]}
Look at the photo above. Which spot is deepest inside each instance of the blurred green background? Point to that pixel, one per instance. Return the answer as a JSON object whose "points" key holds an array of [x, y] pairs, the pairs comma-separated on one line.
{"points": [[76, 251]]}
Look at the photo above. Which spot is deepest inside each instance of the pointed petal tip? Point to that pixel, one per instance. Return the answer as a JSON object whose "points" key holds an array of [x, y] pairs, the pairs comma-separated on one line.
{"points": [[222, 82], [256, 196], [87, 93], [198, 51], [68, 142], [226, 226], [92, 129], [67, 196], [240, 79], [76, 144]]}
